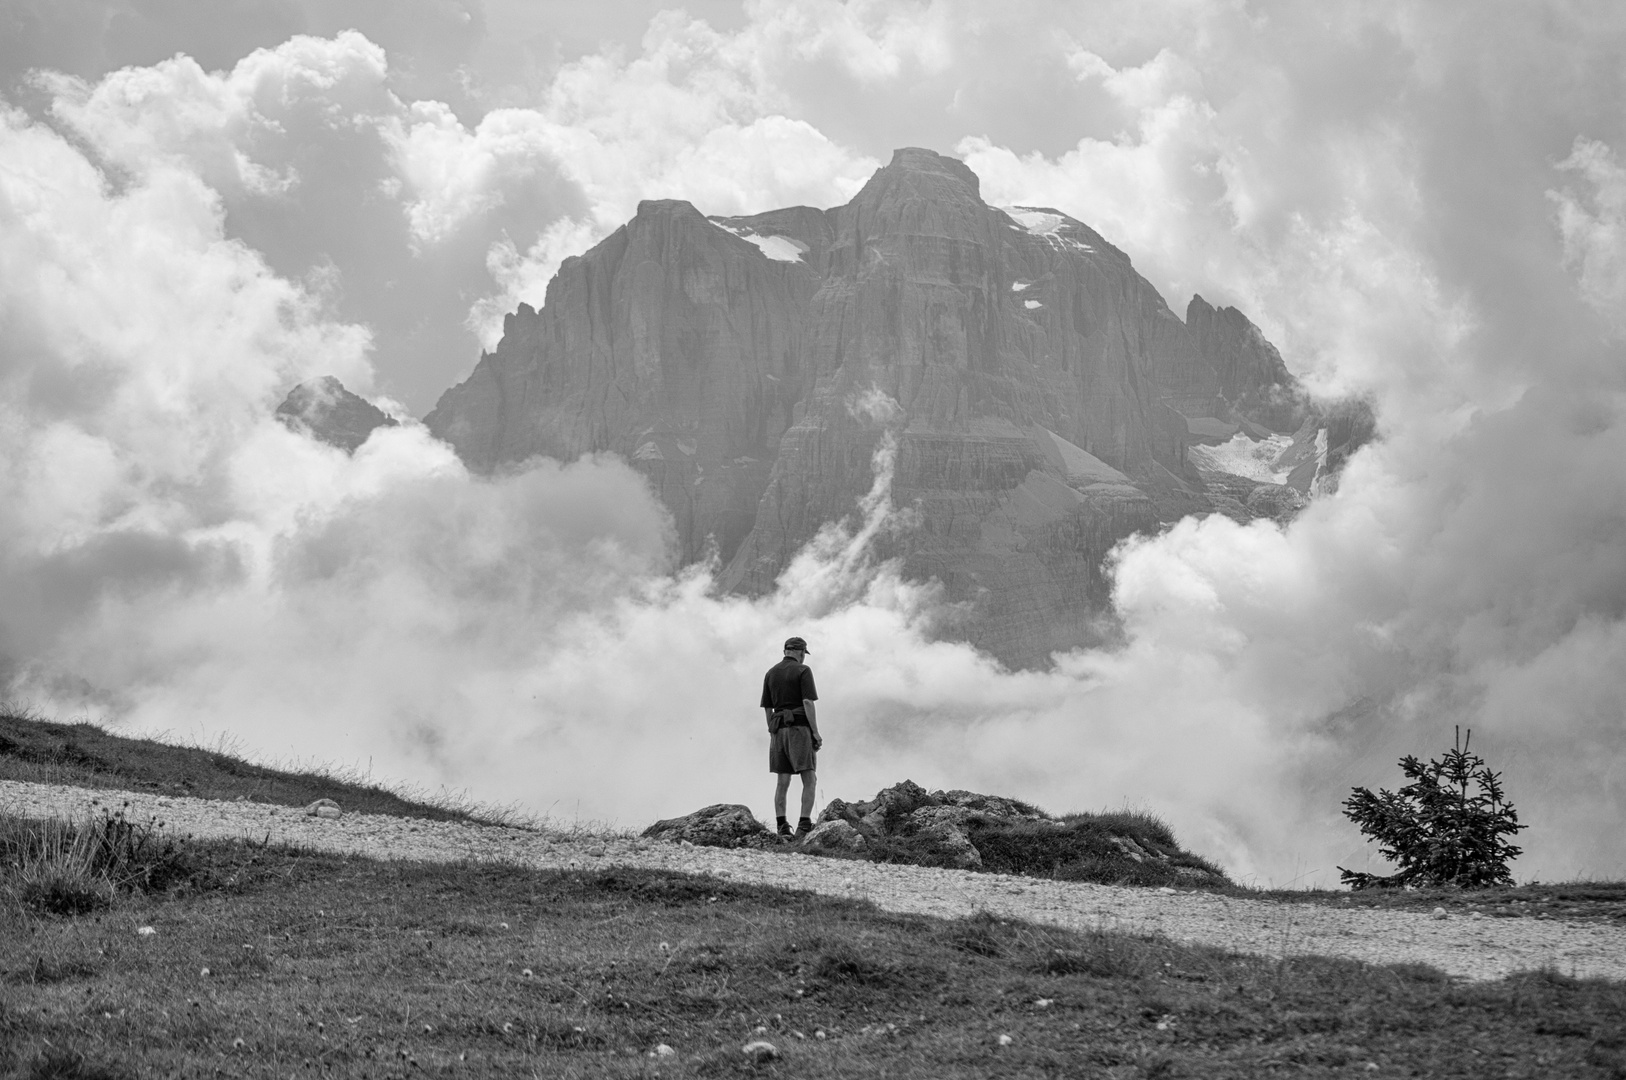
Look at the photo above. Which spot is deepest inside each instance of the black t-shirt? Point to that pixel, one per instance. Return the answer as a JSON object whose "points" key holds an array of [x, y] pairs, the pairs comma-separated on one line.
{"points": [[787, 684]]}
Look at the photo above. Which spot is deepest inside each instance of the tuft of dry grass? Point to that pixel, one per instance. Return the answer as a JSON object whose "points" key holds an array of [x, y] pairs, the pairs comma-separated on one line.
{"points": [[61, 867]]}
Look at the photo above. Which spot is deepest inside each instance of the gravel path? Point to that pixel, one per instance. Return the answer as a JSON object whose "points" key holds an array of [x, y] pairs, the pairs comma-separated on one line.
{"points": [[1473, 948]]}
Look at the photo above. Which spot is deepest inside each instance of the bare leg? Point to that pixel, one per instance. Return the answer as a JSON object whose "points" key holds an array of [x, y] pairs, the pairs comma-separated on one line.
{"points": [[807, 792], [782, 785]]}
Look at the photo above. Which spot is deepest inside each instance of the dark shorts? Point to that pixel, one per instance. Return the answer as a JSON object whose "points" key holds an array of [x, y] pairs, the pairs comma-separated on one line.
{"points": [[790, 750]]}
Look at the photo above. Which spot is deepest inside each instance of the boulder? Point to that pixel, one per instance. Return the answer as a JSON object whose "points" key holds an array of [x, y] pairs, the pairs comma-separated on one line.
{"points": [[887, 811], [948, 842], [834, 835], [719, 825], [839, 810], [927, 816], [996, 806], [324, 808]]}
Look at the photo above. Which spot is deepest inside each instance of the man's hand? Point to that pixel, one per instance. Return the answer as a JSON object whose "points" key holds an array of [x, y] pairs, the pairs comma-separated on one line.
{"points": [[818, 741]]}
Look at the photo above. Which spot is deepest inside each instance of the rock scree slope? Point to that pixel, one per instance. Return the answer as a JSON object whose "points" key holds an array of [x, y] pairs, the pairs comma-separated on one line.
{"points": [[1040, 393]]}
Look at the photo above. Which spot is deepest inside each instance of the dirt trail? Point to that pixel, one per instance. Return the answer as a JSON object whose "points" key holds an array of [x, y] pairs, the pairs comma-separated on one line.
{"points": [[1473, 948]]}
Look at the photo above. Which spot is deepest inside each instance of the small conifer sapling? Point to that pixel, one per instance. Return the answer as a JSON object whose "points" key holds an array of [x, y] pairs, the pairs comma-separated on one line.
{"points": [[1448, 826]]}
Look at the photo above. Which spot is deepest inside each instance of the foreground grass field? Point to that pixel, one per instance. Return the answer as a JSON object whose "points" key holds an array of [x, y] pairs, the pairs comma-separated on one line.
{"points": [[281, 963]]}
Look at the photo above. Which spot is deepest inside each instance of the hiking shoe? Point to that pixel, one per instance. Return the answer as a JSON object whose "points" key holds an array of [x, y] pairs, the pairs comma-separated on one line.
{"points": [[784, 829], [803, 827]]}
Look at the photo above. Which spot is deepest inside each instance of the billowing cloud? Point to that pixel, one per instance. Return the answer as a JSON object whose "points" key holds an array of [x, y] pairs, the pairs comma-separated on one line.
{"points": [[1593, 224]]}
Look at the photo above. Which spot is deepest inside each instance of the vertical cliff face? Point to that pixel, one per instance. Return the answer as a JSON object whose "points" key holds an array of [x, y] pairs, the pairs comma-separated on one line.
{"points": [[1041, 393]]}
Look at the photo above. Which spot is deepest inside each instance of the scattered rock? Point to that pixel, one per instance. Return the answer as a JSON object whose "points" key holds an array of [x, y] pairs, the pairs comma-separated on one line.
{"points": [[1190, 875], [1005, 1040], [834, 836], [719, 825], [146, 931], [1439, 913], [324, 808], [662, 1050], [761, 1051]]}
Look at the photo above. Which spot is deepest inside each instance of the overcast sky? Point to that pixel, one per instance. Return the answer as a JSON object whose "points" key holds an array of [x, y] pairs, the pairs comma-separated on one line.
{"points": [[202, 203]]}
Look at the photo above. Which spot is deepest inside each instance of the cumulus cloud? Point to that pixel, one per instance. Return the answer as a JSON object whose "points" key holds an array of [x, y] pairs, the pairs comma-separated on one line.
{"points": [[691, 116]]}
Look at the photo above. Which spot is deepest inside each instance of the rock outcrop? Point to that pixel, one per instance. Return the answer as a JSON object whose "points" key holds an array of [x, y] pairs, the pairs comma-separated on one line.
{"points": [[970, 831], [1040, 394], [325, 410], [963, 830], [719, 825]]}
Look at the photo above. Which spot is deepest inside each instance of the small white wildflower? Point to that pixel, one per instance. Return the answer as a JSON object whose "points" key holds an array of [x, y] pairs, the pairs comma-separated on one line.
{"points": [[146, 931], [1005, 1040]]}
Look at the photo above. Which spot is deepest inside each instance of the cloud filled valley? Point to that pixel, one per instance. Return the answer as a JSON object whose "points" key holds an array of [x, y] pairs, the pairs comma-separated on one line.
{"points": [[1412, 205]]}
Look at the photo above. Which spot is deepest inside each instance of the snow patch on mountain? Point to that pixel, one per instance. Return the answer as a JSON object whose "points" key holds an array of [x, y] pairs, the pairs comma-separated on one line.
{"points": [[777, 248], [1260, 460], [1048, 224], [1036, 222]]}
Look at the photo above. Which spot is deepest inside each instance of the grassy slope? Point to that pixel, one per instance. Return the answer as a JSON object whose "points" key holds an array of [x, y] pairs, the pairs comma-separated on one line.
{"points": [[368, 969], [319, 965], [84, 755]]}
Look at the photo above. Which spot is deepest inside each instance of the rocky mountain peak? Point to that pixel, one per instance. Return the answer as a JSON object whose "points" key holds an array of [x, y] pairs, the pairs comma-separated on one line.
{"points": [[325, 410], [926, 171], [1046, 400]]}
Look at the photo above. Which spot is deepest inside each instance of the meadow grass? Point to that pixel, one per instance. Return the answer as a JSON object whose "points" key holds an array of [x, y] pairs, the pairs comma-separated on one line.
{"points": [[280, 962], [40, 751]]}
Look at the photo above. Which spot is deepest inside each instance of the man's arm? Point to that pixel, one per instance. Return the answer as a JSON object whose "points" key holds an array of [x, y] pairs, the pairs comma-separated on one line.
{"points": [[812, 720]]}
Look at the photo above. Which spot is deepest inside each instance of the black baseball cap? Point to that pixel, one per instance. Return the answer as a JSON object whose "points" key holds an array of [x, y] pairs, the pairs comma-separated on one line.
{"points": [[796, 644]]}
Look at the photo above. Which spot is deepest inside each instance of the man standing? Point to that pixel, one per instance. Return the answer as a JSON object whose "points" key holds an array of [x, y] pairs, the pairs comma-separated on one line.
{"points": [[788, 694]]}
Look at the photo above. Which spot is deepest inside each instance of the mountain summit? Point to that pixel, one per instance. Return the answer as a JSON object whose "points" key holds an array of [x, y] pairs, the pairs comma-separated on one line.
{"points": [[1045, 401]]}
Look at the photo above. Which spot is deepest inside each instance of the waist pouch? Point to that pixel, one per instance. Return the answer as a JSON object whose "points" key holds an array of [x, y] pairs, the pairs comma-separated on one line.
{"points": [[782, 719]]}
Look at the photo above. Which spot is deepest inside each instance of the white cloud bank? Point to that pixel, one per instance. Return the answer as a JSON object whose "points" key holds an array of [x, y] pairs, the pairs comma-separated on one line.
{"points": [[1403, 223]]}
